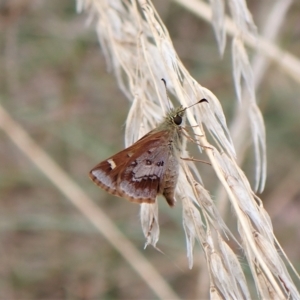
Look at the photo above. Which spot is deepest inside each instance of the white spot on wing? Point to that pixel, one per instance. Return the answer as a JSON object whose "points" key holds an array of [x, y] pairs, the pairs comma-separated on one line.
{"points": [[111, 163]]}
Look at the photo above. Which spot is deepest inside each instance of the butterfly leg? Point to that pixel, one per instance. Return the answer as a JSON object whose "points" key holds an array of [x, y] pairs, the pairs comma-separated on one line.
{"points": [[197, 160]]}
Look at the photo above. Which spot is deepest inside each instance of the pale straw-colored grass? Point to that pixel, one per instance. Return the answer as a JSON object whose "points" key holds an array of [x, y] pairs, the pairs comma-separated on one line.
{"points": [[139, 51]]}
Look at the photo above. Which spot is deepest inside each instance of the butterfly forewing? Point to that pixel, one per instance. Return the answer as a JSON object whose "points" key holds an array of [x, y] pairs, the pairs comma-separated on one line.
{"points": [[135, 175]]}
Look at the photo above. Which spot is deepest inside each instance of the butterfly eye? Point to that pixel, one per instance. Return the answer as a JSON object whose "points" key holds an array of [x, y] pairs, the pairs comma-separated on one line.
{"points": [[177, 120]]}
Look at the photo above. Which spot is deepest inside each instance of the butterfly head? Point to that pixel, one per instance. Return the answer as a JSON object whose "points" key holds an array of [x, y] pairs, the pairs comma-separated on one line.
{"points": [[176, 116]]}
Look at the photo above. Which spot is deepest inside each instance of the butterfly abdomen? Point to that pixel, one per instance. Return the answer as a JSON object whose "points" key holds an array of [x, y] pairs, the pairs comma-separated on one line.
{"points": [[170, 180]]}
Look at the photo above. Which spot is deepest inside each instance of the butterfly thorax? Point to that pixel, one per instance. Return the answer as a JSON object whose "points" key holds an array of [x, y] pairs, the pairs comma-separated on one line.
{"points": [[172, 124]]}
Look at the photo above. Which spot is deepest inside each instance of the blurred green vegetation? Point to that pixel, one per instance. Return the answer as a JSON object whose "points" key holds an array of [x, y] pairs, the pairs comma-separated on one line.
{"points": [[54, 81]]}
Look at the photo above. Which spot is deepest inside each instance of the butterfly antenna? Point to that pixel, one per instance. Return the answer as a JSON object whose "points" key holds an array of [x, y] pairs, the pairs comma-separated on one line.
{"points": [[200, 101], [165, 83]]}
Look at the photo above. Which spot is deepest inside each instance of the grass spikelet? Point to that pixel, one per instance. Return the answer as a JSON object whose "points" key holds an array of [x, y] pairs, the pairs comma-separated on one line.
{"points": [[149, 222], [233, 265], [218, 18]]}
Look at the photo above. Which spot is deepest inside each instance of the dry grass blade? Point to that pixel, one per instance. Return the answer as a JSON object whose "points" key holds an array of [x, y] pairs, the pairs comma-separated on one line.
{"points": [[85, 205]]}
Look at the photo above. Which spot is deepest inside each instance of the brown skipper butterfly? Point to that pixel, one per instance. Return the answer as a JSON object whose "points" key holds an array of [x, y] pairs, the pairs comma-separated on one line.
{"points": [[147, 168]]}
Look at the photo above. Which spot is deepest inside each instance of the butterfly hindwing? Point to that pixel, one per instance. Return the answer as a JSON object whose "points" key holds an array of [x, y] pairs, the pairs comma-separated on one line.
{"points": [[136, 175]]}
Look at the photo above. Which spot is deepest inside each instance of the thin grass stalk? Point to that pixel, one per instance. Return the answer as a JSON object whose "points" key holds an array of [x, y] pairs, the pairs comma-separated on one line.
{"points": [[85, 205], [139, 50]]}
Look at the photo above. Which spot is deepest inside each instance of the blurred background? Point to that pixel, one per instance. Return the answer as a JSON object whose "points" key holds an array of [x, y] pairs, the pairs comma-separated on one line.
{"points": [[54, 82]]}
